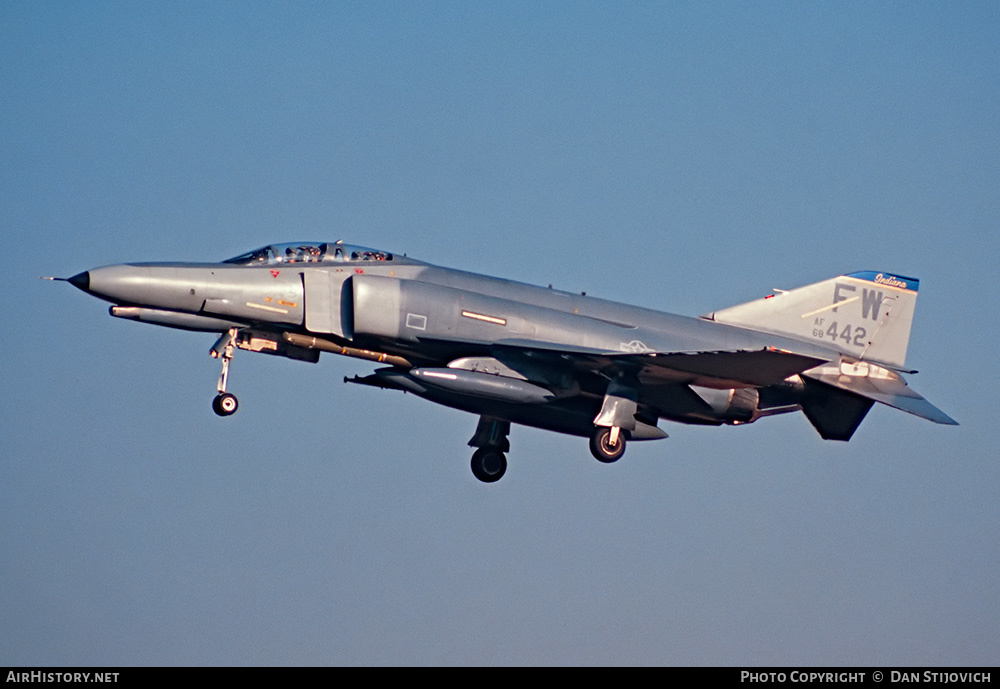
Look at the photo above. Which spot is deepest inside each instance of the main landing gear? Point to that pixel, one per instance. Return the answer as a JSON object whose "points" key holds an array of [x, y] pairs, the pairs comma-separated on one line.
{"points": [[615, 420], [225, 403], [607, 444], [489, 462]]}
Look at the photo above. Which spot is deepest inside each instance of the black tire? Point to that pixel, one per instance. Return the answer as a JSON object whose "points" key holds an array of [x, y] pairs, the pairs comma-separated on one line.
{"points": [[225, 404], [488, 464], [601, 448]]}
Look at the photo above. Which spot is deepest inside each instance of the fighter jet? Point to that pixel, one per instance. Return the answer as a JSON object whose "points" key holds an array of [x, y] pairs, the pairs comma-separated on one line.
{"points": [[514, 353]]}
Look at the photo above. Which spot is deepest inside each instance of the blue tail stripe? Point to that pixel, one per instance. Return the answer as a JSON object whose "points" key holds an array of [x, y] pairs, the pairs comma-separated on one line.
{"points": [[888, 279]]}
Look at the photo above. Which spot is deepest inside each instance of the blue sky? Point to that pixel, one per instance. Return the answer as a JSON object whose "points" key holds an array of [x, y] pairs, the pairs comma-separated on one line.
{"points": [[681, 156]]}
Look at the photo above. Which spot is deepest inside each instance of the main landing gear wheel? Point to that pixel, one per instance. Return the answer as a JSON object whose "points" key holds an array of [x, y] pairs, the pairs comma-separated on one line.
{"points": [[603, 449], [488, 464], [225, 404]]}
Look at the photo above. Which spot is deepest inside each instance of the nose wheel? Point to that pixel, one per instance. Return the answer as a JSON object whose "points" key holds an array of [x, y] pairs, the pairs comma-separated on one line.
{"points": [[225, 403]]}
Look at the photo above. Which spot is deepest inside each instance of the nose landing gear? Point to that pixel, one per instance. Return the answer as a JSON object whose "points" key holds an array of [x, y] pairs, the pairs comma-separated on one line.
{"points": [[225, 403]]}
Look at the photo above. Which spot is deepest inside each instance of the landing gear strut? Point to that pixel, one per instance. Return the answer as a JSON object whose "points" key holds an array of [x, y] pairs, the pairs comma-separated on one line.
{"points": [[225, 403], [489, 462]]}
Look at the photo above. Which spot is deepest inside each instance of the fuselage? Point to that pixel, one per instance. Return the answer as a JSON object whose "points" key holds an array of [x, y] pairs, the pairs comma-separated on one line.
{"points": [[409, 301], [425, 317]]}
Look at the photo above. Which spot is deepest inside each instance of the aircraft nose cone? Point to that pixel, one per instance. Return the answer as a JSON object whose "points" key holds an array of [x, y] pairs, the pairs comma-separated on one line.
{"points": [[81, 281]]}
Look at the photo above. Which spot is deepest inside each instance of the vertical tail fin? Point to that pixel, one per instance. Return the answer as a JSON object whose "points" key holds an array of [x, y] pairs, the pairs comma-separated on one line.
{"points": [[866, 315]]}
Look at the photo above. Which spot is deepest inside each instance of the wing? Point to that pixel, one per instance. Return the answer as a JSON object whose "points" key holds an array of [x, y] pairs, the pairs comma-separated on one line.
{"points": [[716, 369], [723, 369]]}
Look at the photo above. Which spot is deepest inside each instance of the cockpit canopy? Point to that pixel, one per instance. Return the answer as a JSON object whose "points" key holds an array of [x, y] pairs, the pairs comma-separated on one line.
{"points": [[309, 252]]}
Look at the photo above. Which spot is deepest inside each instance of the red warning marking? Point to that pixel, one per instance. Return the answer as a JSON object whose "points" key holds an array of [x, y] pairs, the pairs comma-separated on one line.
{"points": [[275, 273], [359, 271]]}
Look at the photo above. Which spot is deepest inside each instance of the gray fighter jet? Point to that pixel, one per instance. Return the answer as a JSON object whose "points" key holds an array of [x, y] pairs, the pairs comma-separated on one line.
{"points": [[517, 353]]}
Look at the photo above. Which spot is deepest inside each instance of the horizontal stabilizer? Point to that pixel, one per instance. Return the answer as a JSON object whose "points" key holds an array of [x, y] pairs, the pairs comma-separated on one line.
{"points": [[881, 385]]}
